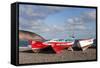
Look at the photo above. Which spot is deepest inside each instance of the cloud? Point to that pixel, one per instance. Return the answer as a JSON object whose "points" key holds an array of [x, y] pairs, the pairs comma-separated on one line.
{"points": [[31, 17], [37, 12], [89, 16], [92, 14], [31, 25], [75, 24], [78, 23]]}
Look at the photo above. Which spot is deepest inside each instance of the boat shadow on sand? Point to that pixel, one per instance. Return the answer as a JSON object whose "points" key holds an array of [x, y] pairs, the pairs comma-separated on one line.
{"points": [[47, 50]]}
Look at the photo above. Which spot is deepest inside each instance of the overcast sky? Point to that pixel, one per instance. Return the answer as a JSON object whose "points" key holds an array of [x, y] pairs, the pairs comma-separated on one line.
{"points": [[58, 22]]}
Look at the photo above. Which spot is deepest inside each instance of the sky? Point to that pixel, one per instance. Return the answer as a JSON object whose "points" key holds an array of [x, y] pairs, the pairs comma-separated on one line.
{"points": [[58, 22]]}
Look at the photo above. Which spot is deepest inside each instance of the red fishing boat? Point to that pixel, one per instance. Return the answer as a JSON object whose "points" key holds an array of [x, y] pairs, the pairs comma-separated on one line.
{"points": [[57, 45]]}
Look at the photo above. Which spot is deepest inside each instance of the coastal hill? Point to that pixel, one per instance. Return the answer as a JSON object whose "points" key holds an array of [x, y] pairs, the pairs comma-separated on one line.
{"points": [[27, 35]]}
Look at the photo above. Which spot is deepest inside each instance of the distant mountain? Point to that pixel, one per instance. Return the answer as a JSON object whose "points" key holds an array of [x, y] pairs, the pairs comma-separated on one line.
{"points": [[27, 35]]}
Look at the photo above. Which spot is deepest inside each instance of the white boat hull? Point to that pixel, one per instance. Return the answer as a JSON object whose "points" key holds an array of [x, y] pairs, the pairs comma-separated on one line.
{"points": [[84, 44]]}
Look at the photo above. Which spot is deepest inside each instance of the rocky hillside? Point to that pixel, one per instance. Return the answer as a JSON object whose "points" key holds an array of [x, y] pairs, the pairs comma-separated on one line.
{"points": [[26, 35]]}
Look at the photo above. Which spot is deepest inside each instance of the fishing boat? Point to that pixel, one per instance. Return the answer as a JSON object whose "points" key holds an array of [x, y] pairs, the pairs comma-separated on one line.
{"points": [[85, 43], [57, 44]]}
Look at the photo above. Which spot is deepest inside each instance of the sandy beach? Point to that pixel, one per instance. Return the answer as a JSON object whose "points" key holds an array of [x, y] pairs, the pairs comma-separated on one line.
{"points": [[27, 56]]}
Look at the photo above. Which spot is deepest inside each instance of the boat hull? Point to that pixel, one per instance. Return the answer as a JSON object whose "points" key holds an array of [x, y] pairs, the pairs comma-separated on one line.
{"points": [[84, 44], [56, 46]]}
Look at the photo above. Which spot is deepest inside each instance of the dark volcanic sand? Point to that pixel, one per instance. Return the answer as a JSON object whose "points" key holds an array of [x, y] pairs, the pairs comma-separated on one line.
{"points": [[27, 56]]}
